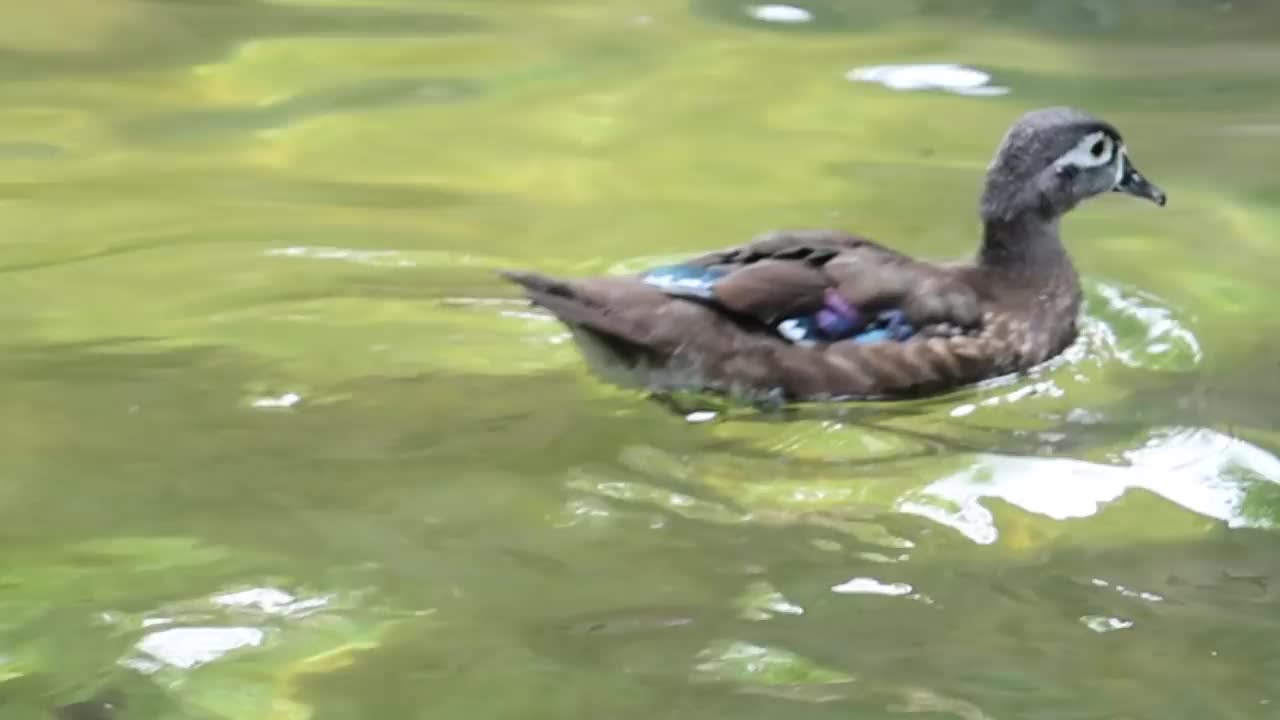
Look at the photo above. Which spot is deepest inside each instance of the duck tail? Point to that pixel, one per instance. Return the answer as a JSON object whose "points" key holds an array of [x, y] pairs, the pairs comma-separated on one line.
{"points": [[559, 297], [574, 305], [538, 283]]}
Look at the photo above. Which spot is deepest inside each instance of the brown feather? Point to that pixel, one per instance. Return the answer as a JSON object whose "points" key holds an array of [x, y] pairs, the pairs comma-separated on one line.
{"points": [[771, 290]]}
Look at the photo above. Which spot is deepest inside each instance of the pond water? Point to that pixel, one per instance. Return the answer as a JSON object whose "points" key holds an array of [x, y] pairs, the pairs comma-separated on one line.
{"points": [[277, 445]]}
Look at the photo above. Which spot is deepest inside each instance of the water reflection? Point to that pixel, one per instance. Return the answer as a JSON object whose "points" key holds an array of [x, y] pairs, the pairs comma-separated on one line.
{"points": [[871, 586], [950, 77], [107, 704], [1128, 17], [1202, 470], [286, 400], [764, 670], [106, 35], [379, 258], [1104, 624], [780, 13], [272, 601], [762, 601], [279, 114], [190, 647]]}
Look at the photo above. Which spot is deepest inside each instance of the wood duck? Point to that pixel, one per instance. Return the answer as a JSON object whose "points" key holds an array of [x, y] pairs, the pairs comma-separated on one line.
{"points": [[806, 315]]}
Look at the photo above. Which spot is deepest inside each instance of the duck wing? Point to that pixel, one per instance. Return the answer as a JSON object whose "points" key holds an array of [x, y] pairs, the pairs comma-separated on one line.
{"points": [[795, 273]]}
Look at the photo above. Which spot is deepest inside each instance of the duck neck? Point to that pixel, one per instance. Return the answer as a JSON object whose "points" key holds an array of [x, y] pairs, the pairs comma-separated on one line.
{"points": [[1026, 241]]}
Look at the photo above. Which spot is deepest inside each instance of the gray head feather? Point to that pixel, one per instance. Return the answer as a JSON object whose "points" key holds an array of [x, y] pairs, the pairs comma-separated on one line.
{"points": [[1022, 177]]}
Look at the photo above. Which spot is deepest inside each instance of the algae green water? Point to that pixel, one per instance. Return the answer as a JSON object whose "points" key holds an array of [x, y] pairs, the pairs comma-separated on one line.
{"points": [[278, 446]]}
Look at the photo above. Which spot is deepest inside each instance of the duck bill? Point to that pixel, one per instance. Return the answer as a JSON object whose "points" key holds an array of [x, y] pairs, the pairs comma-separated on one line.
{"points": [[1133, 183]]}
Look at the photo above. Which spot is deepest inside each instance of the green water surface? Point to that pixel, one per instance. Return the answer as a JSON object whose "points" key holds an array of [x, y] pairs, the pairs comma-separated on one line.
{"points": [[275, 444]]}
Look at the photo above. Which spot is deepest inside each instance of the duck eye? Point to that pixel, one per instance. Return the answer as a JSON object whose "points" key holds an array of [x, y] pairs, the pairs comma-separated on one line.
{"points": [[1098, 148]]}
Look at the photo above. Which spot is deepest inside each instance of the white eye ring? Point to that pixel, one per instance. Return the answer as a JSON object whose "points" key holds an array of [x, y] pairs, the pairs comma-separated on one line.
{"points": [[1094, 150]]}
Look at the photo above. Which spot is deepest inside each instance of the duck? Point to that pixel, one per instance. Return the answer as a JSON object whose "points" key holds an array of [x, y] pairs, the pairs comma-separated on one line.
{"points": [[803, 315]]}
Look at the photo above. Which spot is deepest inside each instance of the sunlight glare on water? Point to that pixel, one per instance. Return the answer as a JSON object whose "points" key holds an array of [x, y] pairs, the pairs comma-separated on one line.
{"points": [[1197, 469]]}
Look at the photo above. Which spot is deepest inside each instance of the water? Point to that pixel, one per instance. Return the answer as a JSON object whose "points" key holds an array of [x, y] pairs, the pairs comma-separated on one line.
{"points": [[277, 445]]}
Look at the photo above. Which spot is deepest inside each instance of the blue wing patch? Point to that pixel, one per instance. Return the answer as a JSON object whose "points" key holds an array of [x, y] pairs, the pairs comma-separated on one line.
{"points": [[837, 320], [685, 280]]}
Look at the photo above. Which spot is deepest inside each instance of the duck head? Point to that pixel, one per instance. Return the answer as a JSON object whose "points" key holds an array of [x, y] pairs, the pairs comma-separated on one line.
{"points": [[1052, 159]]}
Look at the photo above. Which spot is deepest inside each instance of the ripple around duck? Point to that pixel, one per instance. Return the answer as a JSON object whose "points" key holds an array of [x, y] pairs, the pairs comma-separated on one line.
{"points": [[1138, 329], [1053, 443], [1119, 325]]}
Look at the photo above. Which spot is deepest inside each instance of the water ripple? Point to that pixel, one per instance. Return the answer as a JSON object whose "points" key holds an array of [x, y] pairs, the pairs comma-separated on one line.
{"points": [[948, 77], [190, 647], [1119, 325], [1202, 470], [1154, 335]]}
